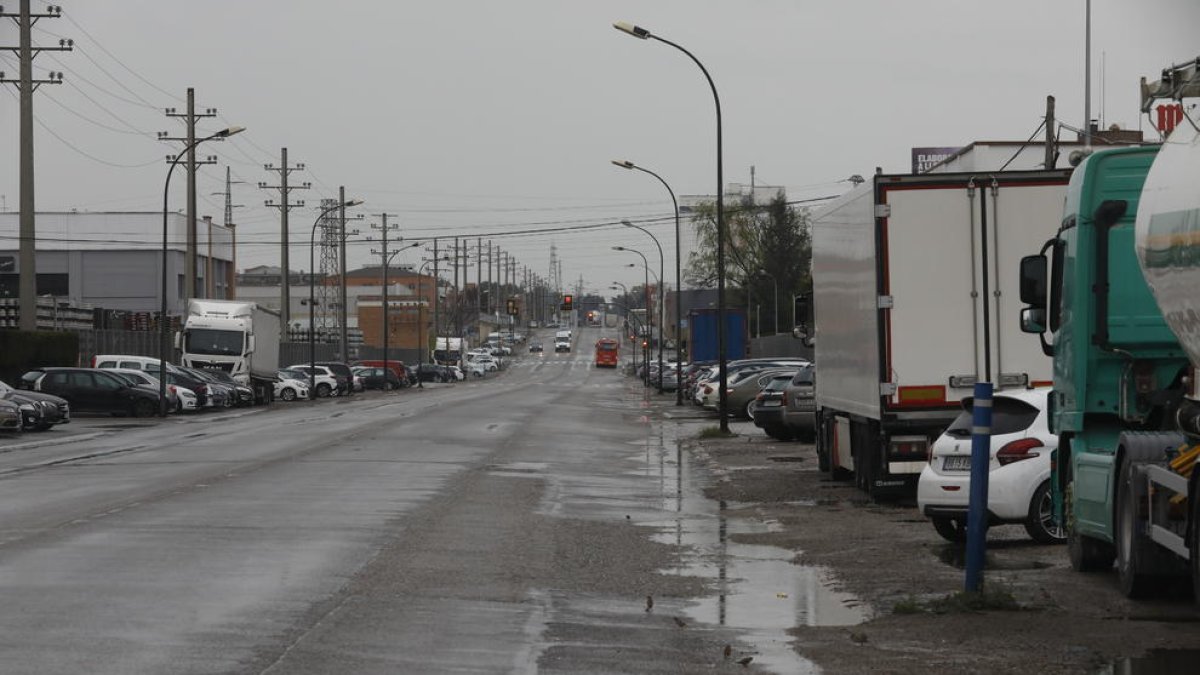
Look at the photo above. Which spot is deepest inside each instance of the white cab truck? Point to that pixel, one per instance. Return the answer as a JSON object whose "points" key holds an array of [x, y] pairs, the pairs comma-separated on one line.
{"points": [[238, 337], [448, 351], [915, 299]]}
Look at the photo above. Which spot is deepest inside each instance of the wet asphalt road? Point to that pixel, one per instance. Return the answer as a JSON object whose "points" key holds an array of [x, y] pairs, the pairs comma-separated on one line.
{"points": [[514, 524]]}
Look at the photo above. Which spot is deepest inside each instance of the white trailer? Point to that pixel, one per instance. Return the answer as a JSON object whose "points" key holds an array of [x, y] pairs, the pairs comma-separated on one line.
{"points": [[915, 299], [241, 338]]}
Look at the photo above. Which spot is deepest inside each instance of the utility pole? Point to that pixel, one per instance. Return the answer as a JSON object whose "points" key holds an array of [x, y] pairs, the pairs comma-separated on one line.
{"points": [[344, 335], [190, 276], [478, 278], [284, 205], [387, 328], [491, 285], [231, 277], [437, 331], [1051, 154], [26, 85]]}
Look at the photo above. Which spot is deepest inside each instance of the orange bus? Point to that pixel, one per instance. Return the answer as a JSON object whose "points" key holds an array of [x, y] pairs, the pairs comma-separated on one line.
{"points": [[607, 351]]}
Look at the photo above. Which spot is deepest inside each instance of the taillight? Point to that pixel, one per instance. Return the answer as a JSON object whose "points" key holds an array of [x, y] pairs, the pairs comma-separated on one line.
{"points": [[1017, 451], [708, 389], [758, 396]]}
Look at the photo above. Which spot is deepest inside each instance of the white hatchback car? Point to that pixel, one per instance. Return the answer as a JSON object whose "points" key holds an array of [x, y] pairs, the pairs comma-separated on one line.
{"points": [[1019, 470]]}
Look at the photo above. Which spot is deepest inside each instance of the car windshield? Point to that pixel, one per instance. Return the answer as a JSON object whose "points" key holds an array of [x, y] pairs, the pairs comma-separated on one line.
{"points": [[213, 342], [1009, 416]]}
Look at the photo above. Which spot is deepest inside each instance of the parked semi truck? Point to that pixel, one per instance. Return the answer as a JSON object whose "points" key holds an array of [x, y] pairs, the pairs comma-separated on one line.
{"points": [[914, 301], [1114, 298], [447, 351], [241, 338]]}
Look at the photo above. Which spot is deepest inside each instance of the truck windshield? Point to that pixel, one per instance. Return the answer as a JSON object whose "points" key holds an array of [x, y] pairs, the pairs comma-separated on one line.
{"points": [[214, 342]]}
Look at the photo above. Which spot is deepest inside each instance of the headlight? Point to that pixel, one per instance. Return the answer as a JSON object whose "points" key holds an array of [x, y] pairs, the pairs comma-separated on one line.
{"points": [[28, 407]]}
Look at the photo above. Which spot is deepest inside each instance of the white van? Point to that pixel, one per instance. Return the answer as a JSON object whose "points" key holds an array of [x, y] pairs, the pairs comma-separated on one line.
{"points": [[127, 361], [563, 335]]}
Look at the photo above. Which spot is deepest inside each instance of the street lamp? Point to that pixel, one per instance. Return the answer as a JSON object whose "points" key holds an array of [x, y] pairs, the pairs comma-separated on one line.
{"points": [[312, 292], [625, 164], [624, 305], [722, 365], [163, 344], [387, 328], [662, 310], [422, 338], [646, 292]]}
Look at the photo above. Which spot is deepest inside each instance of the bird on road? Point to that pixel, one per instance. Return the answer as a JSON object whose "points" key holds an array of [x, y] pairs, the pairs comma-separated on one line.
{"points": [[680, 622], [649, 602], [746, 661], [728, 651]]}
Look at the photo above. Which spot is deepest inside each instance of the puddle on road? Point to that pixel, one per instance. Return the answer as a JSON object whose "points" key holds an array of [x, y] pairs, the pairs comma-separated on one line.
{"points": [[759, 591], [1155, 662]]}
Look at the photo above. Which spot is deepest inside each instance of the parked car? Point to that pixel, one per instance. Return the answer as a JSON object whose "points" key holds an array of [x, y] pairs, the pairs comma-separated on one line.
{"points": [[39, 411], [769, 406], [222, 394], [1018, 469], [458, 373], [397, 367], [206, 396], [176, 395], [800, 404], [432, 372], [743, 386], [489, 363], [343, 374], [378, 377], [10, 417], [291, 385], [132, 361], [243, 394], [327, 384], [94, 391]]}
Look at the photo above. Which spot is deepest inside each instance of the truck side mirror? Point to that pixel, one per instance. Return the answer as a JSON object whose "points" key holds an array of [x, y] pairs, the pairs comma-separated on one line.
{"points": [[250, 344], [1033, 320], [178, 339], [1033, 283]]}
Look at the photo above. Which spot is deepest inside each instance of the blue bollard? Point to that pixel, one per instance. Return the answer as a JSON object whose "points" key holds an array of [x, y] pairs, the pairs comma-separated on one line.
{"points": [[977, 526]]}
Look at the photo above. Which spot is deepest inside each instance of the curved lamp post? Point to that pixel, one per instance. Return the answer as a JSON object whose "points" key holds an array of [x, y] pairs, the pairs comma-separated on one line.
{"points": [[722, 364], [312, 294], [625, 164], [164, 343], [421, 338], [646, 292], [662, 307], [387, 328], [625, 291]]}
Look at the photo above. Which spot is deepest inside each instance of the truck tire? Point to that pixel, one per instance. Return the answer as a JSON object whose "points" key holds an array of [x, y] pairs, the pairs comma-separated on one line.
{"points": [[952, 530], [1134, 581], [1194, 539], [1040, 522], [1086, 554]]}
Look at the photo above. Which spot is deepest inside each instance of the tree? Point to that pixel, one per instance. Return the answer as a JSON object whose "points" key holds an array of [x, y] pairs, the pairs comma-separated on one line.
{"points": [[765, 245]]}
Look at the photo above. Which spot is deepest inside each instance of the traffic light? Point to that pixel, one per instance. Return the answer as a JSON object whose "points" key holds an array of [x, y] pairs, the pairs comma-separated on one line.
{"points": [[511, 307], [568, 303]]}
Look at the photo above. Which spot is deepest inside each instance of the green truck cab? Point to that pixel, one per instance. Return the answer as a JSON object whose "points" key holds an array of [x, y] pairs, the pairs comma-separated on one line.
{"points": [[1118, 368]]}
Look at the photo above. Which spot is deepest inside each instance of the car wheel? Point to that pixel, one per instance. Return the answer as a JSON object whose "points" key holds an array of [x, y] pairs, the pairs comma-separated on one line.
{"points": [[228, 402], [144, 407], [952, 530], [323, 390], [43, 426], [1040, 523], [287, 394], [750, 411]]}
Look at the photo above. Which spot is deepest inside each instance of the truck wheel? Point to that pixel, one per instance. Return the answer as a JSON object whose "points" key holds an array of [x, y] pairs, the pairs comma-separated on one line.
{"points": [[1086, 554], [952, 530], [1194, 541], [1130, 563], [1040, 522]]}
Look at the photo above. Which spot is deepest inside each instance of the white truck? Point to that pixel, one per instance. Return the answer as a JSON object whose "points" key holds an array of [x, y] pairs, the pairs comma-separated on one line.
{"points": [[448, 351], [238, 337], [915, 299]]}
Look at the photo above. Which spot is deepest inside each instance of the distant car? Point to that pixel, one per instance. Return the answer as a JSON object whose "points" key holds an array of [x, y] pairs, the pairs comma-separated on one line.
{"points": [[743, 387], [562, 345], [342, 372], [289, 386], [39, 411], [489, 363], [535, 346], [243, 394], [329, 385], [179, 398], [769, 406], [378, 377], [458, 373], [800, 404], [94, 391], [432, 372], [10, 417], [1018, 469]]}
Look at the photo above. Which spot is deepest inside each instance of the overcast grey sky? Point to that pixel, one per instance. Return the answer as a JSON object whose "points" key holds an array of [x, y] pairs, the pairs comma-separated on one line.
{"points": [[478, 117]]}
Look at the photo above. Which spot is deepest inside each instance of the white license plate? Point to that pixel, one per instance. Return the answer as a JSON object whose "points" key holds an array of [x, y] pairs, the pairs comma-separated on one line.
{"points": [[956, 463]]}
